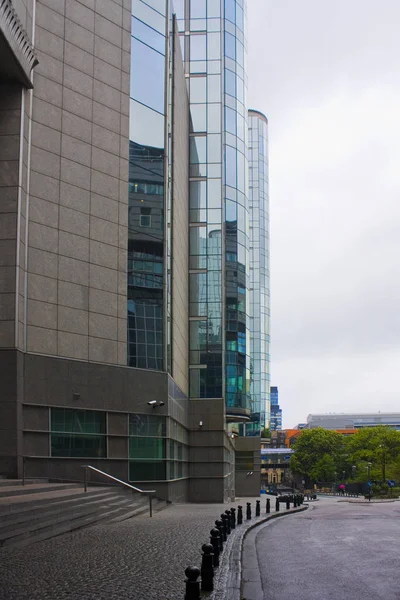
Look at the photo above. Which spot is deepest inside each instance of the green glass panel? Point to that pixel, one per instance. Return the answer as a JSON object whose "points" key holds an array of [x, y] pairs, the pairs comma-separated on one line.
{"points": [[180, 470], [146, 425], [147, 471], [171, 449], [141, 447], [179, 451], [77, 445], [70, 420]]}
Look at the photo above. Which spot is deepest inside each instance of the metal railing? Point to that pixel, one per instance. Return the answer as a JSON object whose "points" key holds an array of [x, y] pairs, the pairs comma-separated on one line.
{"points": [[128, 485]]}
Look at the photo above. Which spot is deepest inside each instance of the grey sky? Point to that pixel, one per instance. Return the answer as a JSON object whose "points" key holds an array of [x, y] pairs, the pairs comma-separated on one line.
{"points": [[327, 75]]}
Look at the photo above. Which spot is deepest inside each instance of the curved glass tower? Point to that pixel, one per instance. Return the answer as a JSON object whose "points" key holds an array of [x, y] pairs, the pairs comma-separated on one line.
{"points": [[214, 48], [259, 273]]}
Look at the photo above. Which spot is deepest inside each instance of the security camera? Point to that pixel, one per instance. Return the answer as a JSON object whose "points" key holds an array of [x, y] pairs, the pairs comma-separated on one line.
{"points": [[152, 402], [161, 403]]}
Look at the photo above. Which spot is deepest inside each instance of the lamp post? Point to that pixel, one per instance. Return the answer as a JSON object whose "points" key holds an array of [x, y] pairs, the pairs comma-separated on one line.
{"points": [[353, 471], [369, 483]]}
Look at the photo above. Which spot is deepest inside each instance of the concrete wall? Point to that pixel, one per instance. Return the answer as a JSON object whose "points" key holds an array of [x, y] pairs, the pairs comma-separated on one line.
{"points": [[248, 485], [11, 99], [76, 285], [31, 384], [211, 453], [180, 225]]}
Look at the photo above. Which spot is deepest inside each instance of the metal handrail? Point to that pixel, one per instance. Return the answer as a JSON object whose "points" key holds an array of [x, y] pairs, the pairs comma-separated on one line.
{"points": [[128, 485]]}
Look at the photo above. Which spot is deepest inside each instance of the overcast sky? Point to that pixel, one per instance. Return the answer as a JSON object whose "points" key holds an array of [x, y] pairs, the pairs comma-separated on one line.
{"points": [[327, 75]]}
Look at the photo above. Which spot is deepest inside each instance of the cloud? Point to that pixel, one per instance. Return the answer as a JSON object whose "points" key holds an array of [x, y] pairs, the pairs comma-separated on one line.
{"points": [[331, 91]]}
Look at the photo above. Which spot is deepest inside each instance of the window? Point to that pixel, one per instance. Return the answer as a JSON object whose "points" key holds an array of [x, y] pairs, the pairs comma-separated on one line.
{"points": [[145, 217], [146, 425], [78, 433]]}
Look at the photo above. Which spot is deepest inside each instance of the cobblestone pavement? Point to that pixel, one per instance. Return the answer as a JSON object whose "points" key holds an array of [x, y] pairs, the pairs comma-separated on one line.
{"points": [[137, 559]]}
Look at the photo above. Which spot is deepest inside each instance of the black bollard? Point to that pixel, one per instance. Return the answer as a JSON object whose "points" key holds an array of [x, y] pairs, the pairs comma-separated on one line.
{"points": [[207, 569], [214, 541], [225, 532], [220, 527], [287, 503], [192, 585], [233, 518], [228, 521], [277, 505], [240, 515], [294, 501], [248, 511], [258, 508], [268, 507]]}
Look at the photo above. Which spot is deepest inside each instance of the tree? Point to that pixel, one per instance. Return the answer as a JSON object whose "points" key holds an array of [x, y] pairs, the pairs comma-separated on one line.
{"points": [[324, 469], [312, 448], [378, 445]]}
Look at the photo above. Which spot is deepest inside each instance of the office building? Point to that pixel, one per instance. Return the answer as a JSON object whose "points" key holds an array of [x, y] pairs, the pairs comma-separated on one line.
{"points": [[125, 335], [276, 411], [352, 421]]}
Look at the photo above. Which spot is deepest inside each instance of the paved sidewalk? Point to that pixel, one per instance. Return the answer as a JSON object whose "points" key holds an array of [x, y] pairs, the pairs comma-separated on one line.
{"points": [[137, 559]]}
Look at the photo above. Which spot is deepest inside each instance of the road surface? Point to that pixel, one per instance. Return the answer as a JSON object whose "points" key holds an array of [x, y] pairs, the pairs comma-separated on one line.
{"points": [[335, 550]]}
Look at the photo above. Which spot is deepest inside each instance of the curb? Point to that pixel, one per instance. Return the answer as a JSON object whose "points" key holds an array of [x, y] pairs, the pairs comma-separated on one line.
{"points": [[228, 582]]}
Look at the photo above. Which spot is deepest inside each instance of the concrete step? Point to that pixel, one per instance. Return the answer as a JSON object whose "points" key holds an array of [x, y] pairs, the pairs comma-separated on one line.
{"points": [[17, 482], [18, 490], [39, 511], [11, 520], [12, 504], [57, 528], [48, 522]]}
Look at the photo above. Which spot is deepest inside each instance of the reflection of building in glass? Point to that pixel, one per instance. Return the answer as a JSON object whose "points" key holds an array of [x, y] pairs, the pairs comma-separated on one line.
{"points": [[218, 201], [145, 256], [276, 411], [146, 296], [259, 272]]}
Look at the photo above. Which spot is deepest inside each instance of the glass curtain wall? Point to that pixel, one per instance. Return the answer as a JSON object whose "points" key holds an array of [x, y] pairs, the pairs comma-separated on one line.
{"points": [[213, 46], [149, 189], [237, 272], [259, 273]]}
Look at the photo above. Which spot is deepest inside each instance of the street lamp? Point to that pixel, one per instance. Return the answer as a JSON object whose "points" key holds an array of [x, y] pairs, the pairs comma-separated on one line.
{"points": [[353, 471]]}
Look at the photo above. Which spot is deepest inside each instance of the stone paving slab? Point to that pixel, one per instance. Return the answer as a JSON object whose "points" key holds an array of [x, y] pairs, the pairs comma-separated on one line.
{"points": [[137, 559]]}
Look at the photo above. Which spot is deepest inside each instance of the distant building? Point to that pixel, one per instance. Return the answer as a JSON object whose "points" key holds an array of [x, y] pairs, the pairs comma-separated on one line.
{"points": [[276, 411], [275, 465], [351, 421]]}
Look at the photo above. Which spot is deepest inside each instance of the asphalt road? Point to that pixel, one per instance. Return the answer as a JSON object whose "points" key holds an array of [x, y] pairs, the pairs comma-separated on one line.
{"points": [[335, 550]]}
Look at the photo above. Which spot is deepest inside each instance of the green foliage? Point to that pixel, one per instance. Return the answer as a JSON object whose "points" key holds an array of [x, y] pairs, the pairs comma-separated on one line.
{"points": [[265, 433], [378, 445], [324, 469], [324, 455], [312, 450]]}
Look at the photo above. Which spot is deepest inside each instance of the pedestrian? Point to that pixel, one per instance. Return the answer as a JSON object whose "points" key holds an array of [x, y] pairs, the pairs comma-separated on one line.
{"points": [[342, 488]]}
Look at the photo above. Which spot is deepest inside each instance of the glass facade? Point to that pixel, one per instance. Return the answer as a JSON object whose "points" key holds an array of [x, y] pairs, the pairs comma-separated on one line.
{"points": [[228, 205], [214, 49], [158, 448], [78, 433], [259, 272], [149, 187]]}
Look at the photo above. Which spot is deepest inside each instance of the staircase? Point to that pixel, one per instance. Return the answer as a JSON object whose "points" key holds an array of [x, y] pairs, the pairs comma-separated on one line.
{"points": [[39, 510]]}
